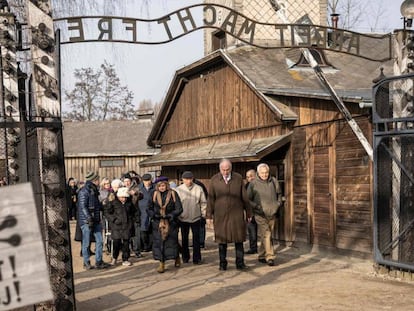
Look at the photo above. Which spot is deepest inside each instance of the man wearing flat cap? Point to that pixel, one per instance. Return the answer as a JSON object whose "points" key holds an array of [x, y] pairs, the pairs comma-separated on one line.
{"points": [[194, 204], [89, 208]]}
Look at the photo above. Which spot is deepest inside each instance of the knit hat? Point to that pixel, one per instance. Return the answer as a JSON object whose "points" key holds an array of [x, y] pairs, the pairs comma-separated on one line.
{"points": [[126, 176], [91, 176], [161, 178], [122, 192], [187, 174]]}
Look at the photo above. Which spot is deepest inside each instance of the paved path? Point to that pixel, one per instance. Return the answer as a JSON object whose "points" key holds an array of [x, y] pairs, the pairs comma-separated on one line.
{"points": [[301, 280]]}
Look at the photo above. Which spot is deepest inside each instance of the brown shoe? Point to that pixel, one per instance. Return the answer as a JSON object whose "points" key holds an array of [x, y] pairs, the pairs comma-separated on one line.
{"points": [[177, 263], [161, 268]]}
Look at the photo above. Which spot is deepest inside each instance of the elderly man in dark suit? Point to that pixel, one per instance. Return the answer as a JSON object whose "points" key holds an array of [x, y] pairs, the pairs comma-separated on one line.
{"points": [[227, 207]]}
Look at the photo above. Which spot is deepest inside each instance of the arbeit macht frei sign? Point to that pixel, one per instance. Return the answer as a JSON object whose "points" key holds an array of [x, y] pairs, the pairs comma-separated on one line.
{"points": [[183, 21]]}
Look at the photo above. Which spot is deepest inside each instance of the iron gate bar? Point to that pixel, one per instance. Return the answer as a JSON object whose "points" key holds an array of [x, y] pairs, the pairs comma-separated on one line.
{"points": [[401, 166], [393, 224], [398, 238], [396, 130]]}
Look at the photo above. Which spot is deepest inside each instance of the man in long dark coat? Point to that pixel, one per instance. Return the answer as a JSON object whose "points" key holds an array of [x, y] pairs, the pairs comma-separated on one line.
{"points": [[227, 207]]}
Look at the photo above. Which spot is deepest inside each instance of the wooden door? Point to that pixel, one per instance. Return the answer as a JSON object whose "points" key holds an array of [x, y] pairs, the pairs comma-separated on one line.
{"points": [[322, 232]]}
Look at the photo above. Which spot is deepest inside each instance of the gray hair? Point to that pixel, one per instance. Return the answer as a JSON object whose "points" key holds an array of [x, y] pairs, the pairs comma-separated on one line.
{"points": [[116, 183], [225, 161], [263, 165]]}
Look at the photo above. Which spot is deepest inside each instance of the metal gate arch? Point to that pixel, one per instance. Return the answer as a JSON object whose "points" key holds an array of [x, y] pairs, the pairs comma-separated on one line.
{"points": [[393, 121]]}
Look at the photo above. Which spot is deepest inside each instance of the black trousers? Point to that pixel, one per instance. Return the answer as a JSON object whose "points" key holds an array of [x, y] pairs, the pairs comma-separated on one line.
{"points": [[195, 231], [202, 232], [119, 244], [146, 240], [239, 254], [252, 231]]}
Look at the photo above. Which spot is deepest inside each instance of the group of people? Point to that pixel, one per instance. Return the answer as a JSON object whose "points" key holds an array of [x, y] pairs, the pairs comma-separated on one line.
{"points": [[143, 215], [118, 206]]}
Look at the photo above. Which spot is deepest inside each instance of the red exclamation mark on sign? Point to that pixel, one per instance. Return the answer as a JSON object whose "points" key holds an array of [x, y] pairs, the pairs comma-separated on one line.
{"points": [[12, 263], [17, 287]]}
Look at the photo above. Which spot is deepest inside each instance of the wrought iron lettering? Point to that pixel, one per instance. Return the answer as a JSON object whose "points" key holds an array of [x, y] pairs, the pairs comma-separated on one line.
{"points": [[181, 22]]}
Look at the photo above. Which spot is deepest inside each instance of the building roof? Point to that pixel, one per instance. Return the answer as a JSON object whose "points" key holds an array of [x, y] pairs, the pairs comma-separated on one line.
{"points": [[248, 150], [107, 138], [272, 72]]}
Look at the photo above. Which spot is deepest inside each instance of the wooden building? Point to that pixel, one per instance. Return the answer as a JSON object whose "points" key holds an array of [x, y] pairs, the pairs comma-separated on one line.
{"points": [[110, 147], [255, 105]]}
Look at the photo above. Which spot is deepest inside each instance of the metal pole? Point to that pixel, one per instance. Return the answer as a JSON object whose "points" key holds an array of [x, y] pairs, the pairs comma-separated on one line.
{"points": [[325, 83]]}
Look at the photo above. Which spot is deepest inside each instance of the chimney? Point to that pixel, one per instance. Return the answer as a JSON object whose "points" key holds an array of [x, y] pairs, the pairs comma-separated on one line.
{"points": [[334, 19]]}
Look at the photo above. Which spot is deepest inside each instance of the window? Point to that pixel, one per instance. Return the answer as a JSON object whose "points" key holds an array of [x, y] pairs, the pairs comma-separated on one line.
{"points": [[318, 55], [218, 40], [112, 163]]}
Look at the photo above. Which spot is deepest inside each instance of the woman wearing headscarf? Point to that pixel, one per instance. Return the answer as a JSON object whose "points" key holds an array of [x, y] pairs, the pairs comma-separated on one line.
{"points": [[164, 209]]}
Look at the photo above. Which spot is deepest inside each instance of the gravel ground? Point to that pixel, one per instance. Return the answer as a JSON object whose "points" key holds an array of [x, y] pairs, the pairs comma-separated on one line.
{"points": [[301, 280]]}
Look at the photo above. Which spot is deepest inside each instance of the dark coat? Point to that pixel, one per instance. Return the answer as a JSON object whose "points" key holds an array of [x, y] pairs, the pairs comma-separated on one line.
{"points": [[168, 249], [121, 218], [143, 205], [136, 196], [78, 233], [228, 205], [71, 197], [89, 207]]}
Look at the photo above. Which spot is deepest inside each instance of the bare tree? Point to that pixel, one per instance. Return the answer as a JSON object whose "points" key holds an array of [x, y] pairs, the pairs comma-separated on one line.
{"points": [[116, 99], [99, 95], [124, 110], [83, 97], [359, 14], [145, 104]]}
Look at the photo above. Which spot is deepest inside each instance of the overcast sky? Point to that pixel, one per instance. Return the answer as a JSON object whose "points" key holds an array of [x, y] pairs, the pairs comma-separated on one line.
{"points": [[147, 70]]}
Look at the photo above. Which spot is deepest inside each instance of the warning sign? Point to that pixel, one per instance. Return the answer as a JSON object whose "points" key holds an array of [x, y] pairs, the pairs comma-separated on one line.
{"points": [[24, 277]]}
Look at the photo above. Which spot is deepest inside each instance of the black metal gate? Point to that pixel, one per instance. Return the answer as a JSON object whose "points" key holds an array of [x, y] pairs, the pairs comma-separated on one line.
{"points": [[31, 141], [393, 120]]}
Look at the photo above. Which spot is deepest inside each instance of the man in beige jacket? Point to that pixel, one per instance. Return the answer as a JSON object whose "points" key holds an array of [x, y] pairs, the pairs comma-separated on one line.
{"points": [[194, 205]]}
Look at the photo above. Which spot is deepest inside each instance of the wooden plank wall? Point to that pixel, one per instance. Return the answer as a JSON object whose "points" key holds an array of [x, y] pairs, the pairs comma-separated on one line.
{"points": [[300, 193], [322, 212], [349, 227], [354, 189], [77, 167], [232, 109]]}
